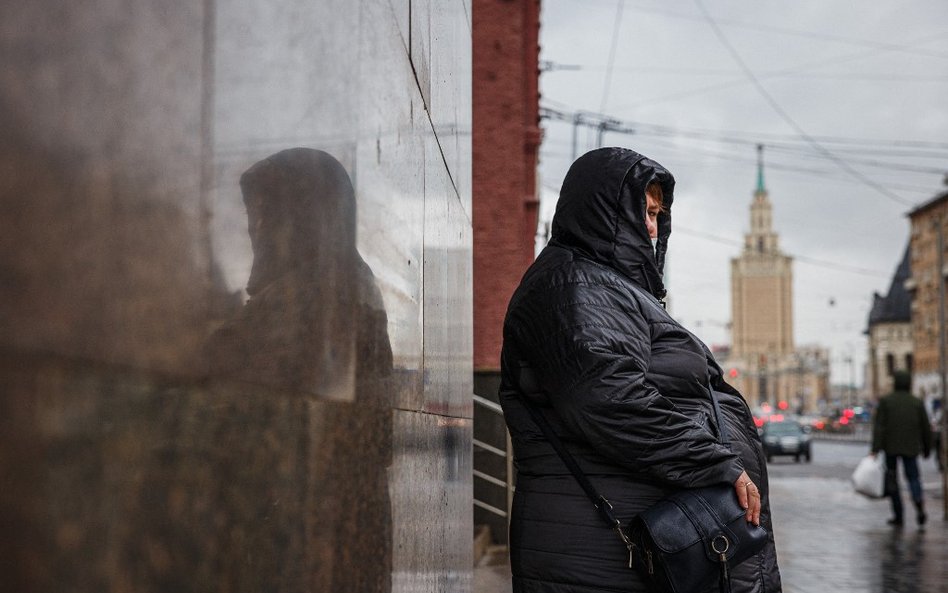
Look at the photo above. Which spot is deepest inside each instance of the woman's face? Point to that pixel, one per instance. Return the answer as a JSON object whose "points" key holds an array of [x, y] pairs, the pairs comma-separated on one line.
{"points": [[652, 208]]}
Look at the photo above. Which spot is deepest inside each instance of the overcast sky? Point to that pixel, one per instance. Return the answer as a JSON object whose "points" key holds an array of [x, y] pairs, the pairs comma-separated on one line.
{"points": [[849, 97]]}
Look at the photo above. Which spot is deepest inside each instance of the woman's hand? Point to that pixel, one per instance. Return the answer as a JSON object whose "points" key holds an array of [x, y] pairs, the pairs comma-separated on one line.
{"points": [[749, 496]]}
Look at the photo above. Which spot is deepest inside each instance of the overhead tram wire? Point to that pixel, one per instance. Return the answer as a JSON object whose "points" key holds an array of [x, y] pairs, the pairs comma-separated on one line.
{"points": [[789, 145], [756, 137], [800, 258], [776, 73], [786, 116], [888, 151], [673, 71], [874, 163], [839, 267], [560, 110], [797, 146], [880, 45], [612, 56], [732, 157], [831, 175]]}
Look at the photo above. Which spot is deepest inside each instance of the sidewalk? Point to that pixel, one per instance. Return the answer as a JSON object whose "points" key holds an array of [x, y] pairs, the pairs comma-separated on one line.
{"points": [[830, 539], [492, 574]]}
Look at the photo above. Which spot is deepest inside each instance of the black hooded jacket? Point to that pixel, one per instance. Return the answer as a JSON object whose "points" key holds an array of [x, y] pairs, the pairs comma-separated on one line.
{"points": [[623, 384]]}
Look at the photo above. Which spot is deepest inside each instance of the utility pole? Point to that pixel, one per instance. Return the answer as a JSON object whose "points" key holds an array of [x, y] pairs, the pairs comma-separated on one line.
{"points": [[602, 132], [611, 125], [577, 120], [852, 380], [601, 122]]}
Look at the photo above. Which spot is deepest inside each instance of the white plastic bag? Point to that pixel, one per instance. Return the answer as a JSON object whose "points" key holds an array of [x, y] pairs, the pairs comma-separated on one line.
{"points": [[869, 477]]}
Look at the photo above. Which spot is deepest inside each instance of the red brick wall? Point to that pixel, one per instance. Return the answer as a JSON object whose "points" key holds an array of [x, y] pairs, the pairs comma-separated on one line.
{"points": [[506, 138]]}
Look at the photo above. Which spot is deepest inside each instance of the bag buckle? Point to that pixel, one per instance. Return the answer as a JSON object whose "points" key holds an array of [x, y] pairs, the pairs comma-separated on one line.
{"points": [[605, 507], [722, 542], [625, 540]]}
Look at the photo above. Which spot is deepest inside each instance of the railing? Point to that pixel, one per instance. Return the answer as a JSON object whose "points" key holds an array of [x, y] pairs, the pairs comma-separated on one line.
{"points": [[507, 482], [860, 433]]}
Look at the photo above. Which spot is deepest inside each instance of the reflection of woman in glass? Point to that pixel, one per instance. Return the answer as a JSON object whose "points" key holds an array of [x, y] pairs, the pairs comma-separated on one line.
{"points": [[309, 288], [316, 330]]}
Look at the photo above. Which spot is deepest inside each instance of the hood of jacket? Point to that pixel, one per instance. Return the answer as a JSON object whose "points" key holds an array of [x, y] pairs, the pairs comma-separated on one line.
{"points": [[301, 213], [601, 214]]}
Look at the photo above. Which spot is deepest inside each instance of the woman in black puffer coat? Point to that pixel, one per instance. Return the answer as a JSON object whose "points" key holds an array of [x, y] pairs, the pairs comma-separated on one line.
{"points": [[622, 383]]}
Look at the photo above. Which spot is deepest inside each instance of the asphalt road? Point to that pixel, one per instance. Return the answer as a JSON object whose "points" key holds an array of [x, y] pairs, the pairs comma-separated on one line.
{"points": [[831, 459], [836, 460], [831, 539]]}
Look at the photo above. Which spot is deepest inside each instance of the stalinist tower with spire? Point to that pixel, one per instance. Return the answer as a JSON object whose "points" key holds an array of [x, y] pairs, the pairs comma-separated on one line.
{"points": [[763, 362], [761, 284]]}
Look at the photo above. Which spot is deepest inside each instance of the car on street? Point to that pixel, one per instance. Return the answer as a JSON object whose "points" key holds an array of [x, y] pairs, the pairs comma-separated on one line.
{"points": [[786, 438]]}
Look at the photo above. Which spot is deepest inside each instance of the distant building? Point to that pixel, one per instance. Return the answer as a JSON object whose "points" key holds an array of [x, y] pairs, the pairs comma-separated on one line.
{"points": [[761, 286], [763, 362], [928, 221], [890, 332]]}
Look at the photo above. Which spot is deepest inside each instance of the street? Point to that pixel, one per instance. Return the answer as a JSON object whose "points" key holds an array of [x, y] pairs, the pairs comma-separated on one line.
{"points": [[830, 539]]}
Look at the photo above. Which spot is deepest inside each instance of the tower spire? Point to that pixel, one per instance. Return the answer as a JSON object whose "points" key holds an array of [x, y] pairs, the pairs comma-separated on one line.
{"points": [[760, 169], [762, 238]]}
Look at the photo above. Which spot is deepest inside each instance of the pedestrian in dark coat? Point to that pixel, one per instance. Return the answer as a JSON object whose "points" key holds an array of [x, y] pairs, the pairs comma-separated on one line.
{"points": [[623, 384], [901, 430]]}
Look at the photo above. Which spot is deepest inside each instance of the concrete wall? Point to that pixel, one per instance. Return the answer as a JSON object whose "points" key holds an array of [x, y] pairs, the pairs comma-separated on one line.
{"points": [[235, 303]]}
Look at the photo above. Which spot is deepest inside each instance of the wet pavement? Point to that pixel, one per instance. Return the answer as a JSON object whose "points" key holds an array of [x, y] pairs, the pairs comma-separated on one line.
{"points": [[830, 539]]}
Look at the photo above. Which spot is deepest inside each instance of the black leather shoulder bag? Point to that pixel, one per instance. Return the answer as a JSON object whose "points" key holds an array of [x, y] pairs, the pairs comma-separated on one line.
{"points": [[685, 541]]}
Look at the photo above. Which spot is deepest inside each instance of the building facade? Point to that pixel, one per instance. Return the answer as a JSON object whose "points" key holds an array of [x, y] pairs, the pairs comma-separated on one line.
{"points": [[506, 140], [889, 333], [235, 320], [763, 362], [929, 231]]}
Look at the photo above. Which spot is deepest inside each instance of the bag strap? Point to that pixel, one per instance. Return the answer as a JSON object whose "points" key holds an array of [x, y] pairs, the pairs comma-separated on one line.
{"points": [[599, 501]]}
